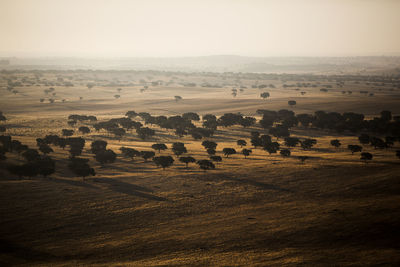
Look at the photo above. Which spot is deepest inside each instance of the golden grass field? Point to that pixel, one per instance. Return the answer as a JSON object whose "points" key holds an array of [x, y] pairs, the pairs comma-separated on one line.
{"points": [[266, 210]]}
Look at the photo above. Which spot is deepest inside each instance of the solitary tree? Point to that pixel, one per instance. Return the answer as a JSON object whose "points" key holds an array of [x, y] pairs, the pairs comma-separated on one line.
{"points": [[365, 156], [179, 148], [147, 155], [336, 143], [246, 152], [264, 95], [163, 161], [209, 144], [159, 147], [228, 151], [187, 160], [177, 98], [308, 143], [205, 164], [241, 143], [84, 129], [80, 167], [354, 148], [106, 156], [216, 158], [292, 103]]}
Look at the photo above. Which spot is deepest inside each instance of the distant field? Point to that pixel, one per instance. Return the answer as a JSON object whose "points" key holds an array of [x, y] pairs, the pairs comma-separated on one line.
{"points": [[265, 210]]}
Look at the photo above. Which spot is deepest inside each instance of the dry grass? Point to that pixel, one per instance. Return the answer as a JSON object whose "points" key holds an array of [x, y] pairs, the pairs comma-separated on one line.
{"points": [[262, 211]]}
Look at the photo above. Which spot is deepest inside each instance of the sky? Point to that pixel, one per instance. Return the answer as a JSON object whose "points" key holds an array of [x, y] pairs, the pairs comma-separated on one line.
{"points": [[179, 28]]}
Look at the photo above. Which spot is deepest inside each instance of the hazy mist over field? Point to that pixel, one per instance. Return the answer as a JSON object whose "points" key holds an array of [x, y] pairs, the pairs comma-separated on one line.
{"points": [[179, 28], [199, 133]]}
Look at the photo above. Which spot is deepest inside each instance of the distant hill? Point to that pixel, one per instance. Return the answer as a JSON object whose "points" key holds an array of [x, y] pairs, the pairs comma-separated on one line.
{"points": [[217, 63]]}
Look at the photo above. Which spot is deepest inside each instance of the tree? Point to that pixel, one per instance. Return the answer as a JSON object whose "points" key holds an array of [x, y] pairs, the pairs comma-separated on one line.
{"points": [[163, 161], [45, 148], [267, 121], [228, 151], [241, 143], [129, 152], [264, 95], [98, 145], [2, 117], [216, 158], [84, 130], [179, 148], [378, 143], [365, 156], [246, 152], [145, 132], [308, 143], [118, 132], [147, 155], [305, 119], [398, 153], [209, 144], [291, 141], [187, 160], [271, 148], [279, 131], [386, 115], [66, 132], [364, 139], [292, 103], [205, 164], [336, 143], [159, 147], [177, 98], [191, 116], [2, 129], [196, 135], [31, 155], [303, 158], [354, 148], [80, 167], [46, 166], [211, 151], [285, 152], [106, 156], [131, 114]]}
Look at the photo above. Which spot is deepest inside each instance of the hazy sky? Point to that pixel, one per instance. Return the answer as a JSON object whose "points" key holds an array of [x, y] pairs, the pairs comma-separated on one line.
{"points": [[110, 28]]}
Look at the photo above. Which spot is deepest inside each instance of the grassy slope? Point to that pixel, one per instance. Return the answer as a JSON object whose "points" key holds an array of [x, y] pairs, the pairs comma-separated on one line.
{"points": [[268, 214], [265, 210]]}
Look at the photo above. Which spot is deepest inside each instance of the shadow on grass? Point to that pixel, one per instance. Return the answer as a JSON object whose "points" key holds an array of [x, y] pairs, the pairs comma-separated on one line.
{"points": [[72, 182], [128, 189], [24, 253]]}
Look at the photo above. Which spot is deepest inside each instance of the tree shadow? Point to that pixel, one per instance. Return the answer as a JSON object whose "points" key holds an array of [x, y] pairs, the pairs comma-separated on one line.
{"points": [[72, 182], [128, 189], [255, 183]]}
